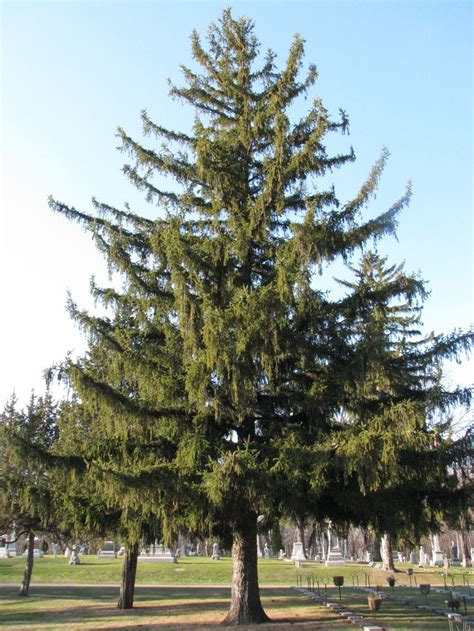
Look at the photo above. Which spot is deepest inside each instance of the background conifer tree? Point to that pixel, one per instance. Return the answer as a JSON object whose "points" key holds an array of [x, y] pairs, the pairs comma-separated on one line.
{"points": [[27, 504], [394, 441]]}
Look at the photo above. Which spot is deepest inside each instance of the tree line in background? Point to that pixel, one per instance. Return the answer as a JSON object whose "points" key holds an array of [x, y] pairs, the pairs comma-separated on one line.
{"points": [[221, 382]]}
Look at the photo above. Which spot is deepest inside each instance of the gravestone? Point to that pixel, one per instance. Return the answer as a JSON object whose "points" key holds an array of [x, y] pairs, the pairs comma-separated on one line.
{"points": [[436, 555], [281, 554], [107, 551], [157, 553], [472, 557], [215, 552], [267, 552], [74, 558], [423, 557], [334, 557], [297, 554], [412, 557]]}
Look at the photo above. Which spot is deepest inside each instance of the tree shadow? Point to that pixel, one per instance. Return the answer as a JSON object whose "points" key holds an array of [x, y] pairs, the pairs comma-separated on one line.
{"points": [[156, 607]]}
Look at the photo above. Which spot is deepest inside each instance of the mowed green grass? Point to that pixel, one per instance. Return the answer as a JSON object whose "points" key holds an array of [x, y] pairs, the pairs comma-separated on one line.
{"points": [[195, 594], [166, 608], [202, 571]]}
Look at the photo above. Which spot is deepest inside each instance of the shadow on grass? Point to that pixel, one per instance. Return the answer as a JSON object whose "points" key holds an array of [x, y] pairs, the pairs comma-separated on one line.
{"points": [[155, 607]]}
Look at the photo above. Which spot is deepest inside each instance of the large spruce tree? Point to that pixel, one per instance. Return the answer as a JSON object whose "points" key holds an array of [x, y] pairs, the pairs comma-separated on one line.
{"points": [[214, 374]]}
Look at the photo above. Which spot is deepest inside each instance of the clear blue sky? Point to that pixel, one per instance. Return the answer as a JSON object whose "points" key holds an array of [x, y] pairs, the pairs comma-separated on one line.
{"points": [[73, 71]]}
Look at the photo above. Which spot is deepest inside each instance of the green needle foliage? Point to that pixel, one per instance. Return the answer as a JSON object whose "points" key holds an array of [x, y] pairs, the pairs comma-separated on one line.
{"points": [[28, 487], [213, 378], [393, 440], [26, 501]]}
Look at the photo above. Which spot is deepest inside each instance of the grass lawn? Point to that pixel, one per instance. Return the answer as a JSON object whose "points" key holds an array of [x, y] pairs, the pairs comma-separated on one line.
{"points": [[164, 609], [194, 594], [202, 571]]}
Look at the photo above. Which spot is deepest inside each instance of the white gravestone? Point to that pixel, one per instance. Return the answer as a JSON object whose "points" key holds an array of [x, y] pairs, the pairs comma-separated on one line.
{"points": [[74, 558], [107, 551], [334, 557], [437, 555], [157, 553], [297, 554], [215, 552], [423, 557]]}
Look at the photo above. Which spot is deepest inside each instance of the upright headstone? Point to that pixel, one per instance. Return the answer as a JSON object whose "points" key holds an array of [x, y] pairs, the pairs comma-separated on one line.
{"points": [[423, 557], [297, 554], [334, 556], [436, 555], [74, 557], [412, 557], [215, 552], [281, 554], [108, 550]]}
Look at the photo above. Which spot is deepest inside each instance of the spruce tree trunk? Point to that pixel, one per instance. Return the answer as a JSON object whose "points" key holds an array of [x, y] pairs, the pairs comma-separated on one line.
{"points": [[129, 572], [25, 584], [245, 607], [387, 555]]}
